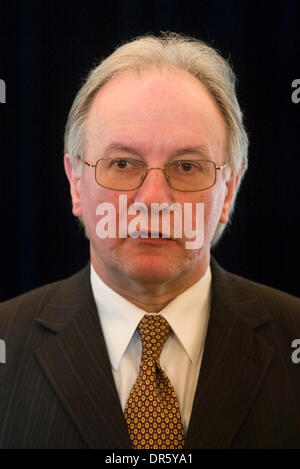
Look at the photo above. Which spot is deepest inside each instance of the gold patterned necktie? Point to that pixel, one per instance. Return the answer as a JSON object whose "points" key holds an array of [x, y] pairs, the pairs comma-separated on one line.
{"points": [[152, 410]]}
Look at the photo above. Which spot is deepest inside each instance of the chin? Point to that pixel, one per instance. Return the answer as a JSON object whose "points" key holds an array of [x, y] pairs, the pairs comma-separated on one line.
{"points": [[155, 271]]}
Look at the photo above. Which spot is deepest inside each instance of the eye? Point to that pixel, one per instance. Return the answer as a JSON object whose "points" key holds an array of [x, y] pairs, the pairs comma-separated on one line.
{"points": [[121, 163], [185, 166], [129, 166]]}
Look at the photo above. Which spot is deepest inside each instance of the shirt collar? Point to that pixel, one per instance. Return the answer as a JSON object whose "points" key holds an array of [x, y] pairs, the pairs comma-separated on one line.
{"points": [[119, 318], [187, 315]]}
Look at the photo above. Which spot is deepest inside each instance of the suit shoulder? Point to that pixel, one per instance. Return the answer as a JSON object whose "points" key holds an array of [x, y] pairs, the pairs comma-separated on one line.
{"points": [[265, 289], [279, 304], [32, 301], [255, 301], [28, 305]]}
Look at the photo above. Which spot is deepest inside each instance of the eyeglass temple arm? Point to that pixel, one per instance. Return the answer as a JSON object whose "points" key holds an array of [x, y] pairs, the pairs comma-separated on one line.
{"points": [[91, 165], [224, 166]]}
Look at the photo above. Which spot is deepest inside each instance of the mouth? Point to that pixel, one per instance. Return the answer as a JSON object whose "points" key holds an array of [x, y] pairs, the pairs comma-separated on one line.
{"points": [[150, 236]]}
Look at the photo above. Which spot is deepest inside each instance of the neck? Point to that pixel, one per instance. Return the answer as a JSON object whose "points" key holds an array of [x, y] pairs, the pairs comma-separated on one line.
{"points": [[150, 297]]}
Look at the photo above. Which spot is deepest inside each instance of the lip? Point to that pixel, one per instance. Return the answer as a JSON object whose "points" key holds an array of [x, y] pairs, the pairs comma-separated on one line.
{"points": [[149, 239], [142, 237], [153, 243], [153, 240]]}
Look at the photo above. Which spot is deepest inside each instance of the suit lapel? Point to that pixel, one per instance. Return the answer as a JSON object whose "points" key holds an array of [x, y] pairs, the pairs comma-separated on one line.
{"points": [[77, 366], [234, 364]]}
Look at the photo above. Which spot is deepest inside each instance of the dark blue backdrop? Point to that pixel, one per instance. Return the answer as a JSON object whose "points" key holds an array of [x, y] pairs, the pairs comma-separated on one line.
{"points": [[47, 47]]}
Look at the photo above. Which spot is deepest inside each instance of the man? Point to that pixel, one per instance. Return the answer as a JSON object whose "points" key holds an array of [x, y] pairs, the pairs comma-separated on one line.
{"points": [[152, 344]]}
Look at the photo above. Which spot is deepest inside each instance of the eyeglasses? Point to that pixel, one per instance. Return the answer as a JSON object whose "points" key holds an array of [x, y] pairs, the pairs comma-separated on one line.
{"points": [[128, 174]]}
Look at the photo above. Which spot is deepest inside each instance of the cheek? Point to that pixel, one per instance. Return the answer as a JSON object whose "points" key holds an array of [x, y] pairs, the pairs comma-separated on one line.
{"points": [[92, 196], [89, 205], [213, 206]]}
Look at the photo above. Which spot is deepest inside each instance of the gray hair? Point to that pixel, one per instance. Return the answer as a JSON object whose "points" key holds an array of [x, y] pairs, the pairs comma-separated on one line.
{"points": [[174, 50]]}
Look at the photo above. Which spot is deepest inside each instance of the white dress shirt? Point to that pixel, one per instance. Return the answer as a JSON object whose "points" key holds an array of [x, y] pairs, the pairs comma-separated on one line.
{"points": [[181, 356]]}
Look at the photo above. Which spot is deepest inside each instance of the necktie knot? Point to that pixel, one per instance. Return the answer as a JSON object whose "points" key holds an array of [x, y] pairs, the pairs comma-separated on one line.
{"points": [[154, 331]]}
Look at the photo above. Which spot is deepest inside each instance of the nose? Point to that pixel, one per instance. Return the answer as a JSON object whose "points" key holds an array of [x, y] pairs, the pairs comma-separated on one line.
{"points": [[155, 188]]}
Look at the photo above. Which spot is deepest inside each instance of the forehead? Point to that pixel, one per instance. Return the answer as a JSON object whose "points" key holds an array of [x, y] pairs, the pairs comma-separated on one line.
{"points": [[163, 106]]}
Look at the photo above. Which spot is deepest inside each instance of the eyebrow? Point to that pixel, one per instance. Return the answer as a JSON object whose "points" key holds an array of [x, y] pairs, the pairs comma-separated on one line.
{"points": [[113, 147], [198, 150], [195, 150]]}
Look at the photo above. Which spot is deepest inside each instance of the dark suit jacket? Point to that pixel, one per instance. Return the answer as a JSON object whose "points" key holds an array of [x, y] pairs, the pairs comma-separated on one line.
{"points": [[57, 388]]}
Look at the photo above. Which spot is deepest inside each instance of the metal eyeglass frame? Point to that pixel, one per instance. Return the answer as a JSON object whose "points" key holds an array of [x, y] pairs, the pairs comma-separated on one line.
{"points": [[147, 169]]}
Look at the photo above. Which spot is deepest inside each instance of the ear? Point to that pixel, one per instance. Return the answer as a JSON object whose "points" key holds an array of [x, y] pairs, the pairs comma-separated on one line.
{"points": [[74, 181], [230, 190]]}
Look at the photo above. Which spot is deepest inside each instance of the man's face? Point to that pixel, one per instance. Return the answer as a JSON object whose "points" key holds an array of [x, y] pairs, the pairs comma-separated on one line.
{"points": [[156, 117]]}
